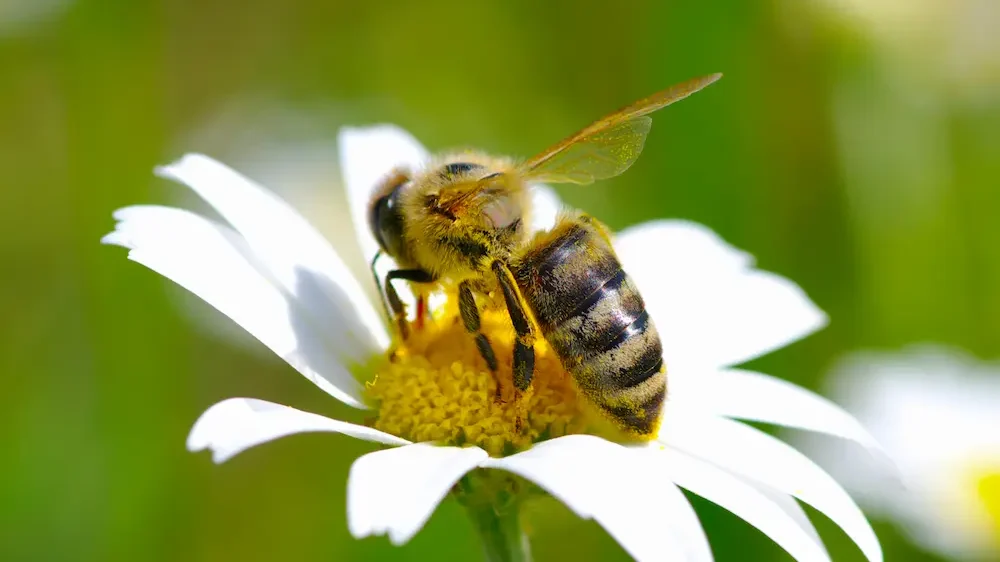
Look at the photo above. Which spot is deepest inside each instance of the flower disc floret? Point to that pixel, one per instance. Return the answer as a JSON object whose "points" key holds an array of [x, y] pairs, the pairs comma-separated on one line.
{"points": [[438, 388]]}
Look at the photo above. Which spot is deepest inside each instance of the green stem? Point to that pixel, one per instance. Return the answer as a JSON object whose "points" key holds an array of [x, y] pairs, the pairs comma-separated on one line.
{"points": [[501, 533]]}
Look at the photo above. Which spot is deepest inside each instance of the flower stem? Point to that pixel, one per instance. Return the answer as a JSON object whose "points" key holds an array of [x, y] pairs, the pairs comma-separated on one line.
{"points": [[501, 533]]}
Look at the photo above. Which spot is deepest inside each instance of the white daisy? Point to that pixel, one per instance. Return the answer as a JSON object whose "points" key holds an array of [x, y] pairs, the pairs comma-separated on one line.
{"points": [[937, 414], [939, 46], [274, 275]]}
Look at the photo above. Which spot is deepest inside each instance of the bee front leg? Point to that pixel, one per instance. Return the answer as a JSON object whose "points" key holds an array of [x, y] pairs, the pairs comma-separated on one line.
{"points": [[524, 350], [392, 296], [381, 286]]}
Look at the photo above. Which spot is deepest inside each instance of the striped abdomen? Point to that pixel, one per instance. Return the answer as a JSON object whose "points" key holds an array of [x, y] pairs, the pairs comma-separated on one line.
{"points": [[592, 315]]}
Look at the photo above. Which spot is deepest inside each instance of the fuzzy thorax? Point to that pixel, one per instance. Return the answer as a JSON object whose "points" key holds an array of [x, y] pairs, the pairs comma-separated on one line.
{"points": [[438, 388]]}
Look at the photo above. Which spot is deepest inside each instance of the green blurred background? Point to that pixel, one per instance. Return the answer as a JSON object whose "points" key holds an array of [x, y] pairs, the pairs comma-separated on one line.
{"points": [[852, 146]]}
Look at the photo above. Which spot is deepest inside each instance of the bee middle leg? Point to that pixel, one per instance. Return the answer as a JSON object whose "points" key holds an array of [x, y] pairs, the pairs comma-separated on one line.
{"points": [[470, 318], [524, 350]]}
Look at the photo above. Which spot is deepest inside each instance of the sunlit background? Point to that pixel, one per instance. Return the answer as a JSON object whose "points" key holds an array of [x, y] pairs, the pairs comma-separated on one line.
{"points": [[853, 146]]}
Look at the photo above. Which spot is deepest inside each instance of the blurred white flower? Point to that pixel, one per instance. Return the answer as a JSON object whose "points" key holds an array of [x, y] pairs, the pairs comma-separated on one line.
{"points": [[951, 45], [936, 412], [272, 273], [24, 16]]}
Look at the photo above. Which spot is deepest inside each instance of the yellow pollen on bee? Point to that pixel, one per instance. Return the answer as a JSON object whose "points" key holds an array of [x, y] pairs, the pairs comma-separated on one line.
{"points": [[438, 388]]}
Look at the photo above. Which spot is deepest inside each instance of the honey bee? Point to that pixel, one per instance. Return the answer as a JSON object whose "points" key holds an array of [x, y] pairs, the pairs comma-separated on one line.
{"points": [[461, 224]]}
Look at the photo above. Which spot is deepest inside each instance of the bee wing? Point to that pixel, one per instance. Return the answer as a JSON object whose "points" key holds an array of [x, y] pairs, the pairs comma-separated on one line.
{"points": [[610, 145], [597, 155]]}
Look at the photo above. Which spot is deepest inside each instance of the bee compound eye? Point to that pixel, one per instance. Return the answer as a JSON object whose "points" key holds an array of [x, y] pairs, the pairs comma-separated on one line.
{"points": [[385, 220], [375, 212]]}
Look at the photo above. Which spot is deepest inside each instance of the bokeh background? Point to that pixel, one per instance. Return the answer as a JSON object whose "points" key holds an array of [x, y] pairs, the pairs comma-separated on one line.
{"points": [[853, 146]]}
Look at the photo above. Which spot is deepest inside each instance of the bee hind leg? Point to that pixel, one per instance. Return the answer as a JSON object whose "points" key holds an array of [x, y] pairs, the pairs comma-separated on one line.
{"points": [[524, 346], [524, 350]]}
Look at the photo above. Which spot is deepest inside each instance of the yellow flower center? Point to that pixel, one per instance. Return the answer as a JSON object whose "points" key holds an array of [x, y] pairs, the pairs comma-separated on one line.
{"points": [[988, 491], [438, 388], [975, 504]]}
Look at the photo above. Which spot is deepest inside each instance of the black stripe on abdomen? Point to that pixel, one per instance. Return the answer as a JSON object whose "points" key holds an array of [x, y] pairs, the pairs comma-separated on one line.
{"points": [[642, 418], [623, 362], [614, 353], [614, 315], [559, 278]]}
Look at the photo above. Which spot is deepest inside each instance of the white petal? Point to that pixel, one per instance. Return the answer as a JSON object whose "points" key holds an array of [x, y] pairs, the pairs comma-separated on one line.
{"points": [[620, 488], [545, 206], [367, 154], [236, 424], [758, 397], [711, 306], [395, 491], [294, 253], [746, 451], [745, 501], [929, 407], [210, 260], [790, 506]]}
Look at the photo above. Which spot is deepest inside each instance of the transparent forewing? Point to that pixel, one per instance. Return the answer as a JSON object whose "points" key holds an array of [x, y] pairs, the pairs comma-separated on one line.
{"points": [[603, 154], [610, 145]]}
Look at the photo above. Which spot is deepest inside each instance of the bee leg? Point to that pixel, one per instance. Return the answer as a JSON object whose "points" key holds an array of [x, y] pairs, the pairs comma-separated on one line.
{"points": [[524, 351], [378, 283], [382, 293], [398, 311], [470, 318], [392, 296], [421, 311]]}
